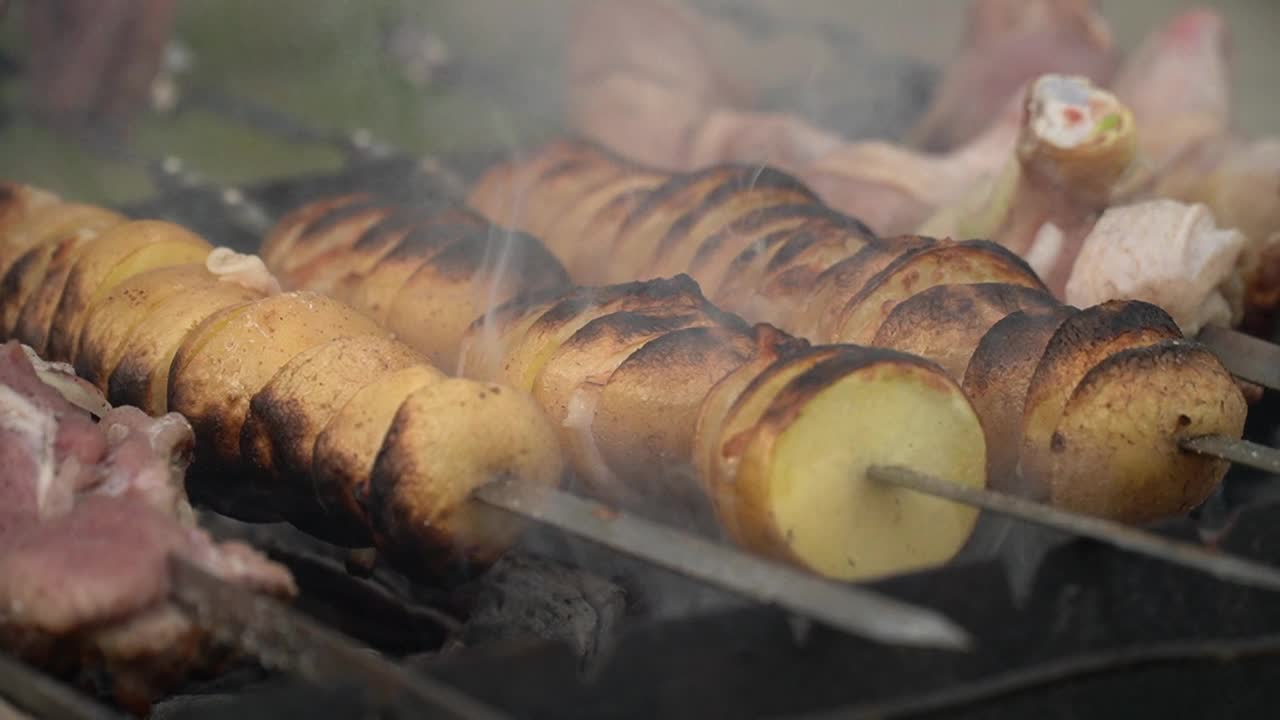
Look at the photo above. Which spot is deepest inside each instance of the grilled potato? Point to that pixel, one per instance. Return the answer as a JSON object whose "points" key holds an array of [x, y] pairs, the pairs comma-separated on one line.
{"points": [[946, 322]]}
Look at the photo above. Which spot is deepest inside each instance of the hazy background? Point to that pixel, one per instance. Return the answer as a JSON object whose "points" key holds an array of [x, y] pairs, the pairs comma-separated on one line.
{"points": [[342, 64]]}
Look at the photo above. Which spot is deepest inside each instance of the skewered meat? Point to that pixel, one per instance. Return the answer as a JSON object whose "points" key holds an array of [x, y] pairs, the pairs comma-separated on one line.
{"points": [[260, 376], [90, 513], [641, 378], [833, 281]]}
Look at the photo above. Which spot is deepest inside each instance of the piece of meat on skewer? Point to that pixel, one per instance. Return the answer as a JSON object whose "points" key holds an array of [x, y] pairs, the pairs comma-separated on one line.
{"points": [[91, 512]]}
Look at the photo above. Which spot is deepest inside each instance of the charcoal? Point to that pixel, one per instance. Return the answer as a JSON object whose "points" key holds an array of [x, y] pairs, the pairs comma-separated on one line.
{"points": [[524, 597]]}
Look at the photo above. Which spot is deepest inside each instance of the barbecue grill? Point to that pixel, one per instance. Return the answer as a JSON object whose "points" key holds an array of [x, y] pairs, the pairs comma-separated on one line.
{"points": [[580, 620]]}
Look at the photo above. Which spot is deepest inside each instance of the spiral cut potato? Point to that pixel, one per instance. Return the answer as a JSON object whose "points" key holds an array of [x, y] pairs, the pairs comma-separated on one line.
{"points": [[312, 404], [666, 404], [1082, 407]]}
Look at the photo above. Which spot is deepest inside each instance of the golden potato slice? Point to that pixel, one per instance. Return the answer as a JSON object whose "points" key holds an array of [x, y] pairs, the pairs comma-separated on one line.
{"points": [[736, 429], [446, 440], [437, 303], [141, 373], [723, 257], [802, 483], [279, 432], [569, 385], [180, 250], [561, 187], [52, 221], [770, 346], [23, 279], [971, 261], [646, 413], [820, 318], [375, 291], [1115, 451], [230, 356], [567, 233], [278, 244], [32, 321], [996, 381], [490, 337], [17, 203], [786, 287], [95, 262], [946, 322], [502, 193], [109, 324], [345, 450], [1080, 343], [527, 358], [327, 242], [641, 235], [590, 256], [767, 189]]}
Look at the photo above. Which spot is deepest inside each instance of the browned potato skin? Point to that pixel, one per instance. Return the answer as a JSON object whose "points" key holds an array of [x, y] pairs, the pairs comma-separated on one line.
{"points": [[972, 260], [429, 520], [841, 282], [90, 268], [230, 356], [946, 322], [726, 254], [279, 433], [996, 381], [50, 222], [1115, 453], [278, 245], [17, 203], [1079, 343], [26, 277], [345, 450]]}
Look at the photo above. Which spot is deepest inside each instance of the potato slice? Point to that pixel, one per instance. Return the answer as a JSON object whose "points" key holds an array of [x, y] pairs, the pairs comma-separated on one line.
{"points": [[636, 245], [17, 203], [230, 356], [490, 337], [768, 188], [569, 385], [802, 482], [770, 346], [442, 297], [1115, 451], [92, 265], [284, 418], [1080, 343], [591, 255], [646, 413], [725, 256], [52, 221], [23, 280], [946, 322], [996, 381], [736, 430], [448, 439], [563, 186], [503, 192], [109, 324], [526, 359], [345, 450], [377, 290], [32, 322], [278, 245], [972, 261], [565, 236], [820, 318]]}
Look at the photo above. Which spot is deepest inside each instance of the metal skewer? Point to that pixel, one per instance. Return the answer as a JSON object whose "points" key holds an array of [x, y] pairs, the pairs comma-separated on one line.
{"points": [[1195, 557], [846, 607]]}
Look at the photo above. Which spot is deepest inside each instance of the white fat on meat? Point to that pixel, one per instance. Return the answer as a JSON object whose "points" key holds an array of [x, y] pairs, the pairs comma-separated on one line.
{"points": [[246, 270], [74, 389], [33, 430], [1164, 252]]}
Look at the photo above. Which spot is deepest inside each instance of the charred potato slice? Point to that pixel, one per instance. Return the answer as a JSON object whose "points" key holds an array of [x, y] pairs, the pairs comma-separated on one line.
{"points": [[568, 233], [279, 433], [996, 381], [87, 277], [945, 323], [345, 450], [1115, 451], [446, 440], [972, 261], [50, 222], [231, 355], [26, 278], [723, 257], [278, 245], [793, 271], [123, 323], [441, 298], [1080, 342], [820, 319], [802, 470]]}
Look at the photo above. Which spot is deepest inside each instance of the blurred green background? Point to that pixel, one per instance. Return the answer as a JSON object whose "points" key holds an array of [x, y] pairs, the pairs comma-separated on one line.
{"points": [[328, 61]]}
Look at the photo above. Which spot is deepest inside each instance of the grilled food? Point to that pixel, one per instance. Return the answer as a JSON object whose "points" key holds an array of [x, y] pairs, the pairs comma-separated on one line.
{"points": [[768, 254], [645, 380], [264, 377]]}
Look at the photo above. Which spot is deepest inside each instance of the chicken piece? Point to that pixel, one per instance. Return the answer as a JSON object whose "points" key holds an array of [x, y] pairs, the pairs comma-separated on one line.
{"points": [[1164, 252]]}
